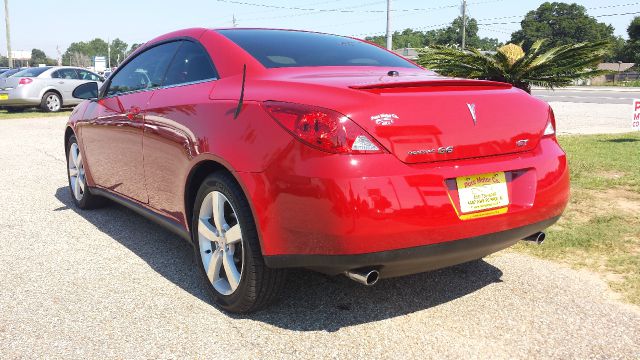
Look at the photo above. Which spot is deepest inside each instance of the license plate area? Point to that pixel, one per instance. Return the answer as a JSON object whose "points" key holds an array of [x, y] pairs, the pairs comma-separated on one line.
{"points": [[482, 192]]}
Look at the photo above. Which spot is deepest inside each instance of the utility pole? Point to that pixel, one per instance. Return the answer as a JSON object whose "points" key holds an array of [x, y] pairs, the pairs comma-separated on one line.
{"points": [[109, 53], [464, 23], [6, 21], [59, 55], [389, 34], [234, 21]]}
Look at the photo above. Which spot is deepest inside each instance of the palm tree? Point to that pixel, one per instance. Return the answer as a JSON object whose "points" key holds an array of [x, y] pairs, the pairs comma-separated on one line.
{"points": [[556, 67]]}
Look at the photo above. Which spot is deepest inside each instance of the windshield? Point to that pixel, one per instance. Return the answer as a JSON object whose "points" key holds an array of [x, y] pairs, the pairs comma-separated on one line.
{"points": [[32, 72], [283, 48], [8, 73]]}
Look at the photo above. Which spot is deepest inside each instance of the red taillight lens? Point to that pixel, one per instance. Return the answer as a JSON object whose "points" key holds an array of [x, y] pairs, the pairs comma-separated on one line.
{"points": [[550, 128], [322, 128], [25, 81]]}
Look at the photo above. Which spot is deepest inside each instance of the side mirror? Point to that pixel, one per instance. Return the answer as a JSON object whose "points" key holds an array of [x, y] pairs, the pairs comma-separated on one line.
{"points": [[86, 91]]}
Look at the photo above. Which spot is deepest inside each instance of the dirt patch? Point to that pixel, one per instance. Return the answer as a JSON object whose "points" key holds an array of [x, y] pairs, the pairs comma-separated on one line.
{"points": [[620, 199], [612, 174], [586, 206]]}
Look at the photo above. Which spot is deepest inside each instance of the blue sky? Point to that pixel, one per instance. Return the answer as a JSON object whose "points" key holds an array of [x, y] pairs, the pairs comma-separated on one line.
{"points": [[44, 24]]}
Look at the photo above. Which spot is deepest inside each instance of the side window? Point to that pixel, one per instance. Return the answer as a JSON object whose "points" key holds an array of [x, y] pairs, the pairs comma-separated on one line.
{"points": [[191, 63], [145, 71], [86, 75], [69, 74]]}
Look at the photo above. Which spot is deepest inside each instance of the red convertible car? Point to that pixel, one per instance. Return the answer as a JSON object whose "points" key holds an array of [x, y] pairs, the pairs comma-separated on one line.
{"points": [[276, 149]]}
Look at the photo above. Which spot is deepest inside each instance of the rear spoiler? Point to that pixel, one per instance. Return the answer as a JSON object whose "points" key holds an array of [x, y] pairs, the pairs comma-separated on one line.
{"points": [[426, 85]]}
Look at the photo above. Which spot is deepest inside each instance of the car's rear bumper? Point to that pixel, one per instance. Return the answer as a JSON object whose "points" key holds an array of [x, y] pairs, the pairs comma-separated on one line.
{"points": [[412, 260], [18, 97], [311, 203]]}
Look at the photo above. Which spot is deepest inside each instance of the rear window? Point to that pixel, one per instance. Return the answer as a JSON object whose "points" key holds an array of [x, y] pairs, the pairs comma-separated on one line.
{"points": [[8, 73], [282, 48], [31, 72]]}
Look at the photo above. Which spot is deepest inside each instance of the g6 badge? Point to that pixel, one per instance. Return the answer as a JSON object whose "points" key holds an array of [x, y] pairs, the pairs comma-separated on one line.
{"points": [[384, 119]]}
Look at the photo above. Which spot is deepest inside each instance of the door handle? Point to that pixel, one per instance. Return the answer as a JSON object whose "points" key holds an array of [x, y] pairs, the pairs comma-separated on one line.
{"points": [[60, 82]]}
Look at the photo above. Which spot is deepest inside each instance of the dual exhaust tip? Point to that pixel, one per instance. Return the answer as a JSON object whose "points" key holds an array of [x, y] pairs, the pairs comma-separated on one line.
{"points": [[537, 238], [371, 276]]}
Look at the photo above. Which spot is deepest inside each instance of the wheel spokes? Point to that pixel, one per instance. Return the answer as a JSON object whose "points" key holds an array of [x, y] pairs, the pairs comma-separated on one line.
{"points": [[81, 183], [213, 268], [230, 269], [206, 230], [79, 160], [218, 201], [74, 155], [233, 235], [76, 188]]}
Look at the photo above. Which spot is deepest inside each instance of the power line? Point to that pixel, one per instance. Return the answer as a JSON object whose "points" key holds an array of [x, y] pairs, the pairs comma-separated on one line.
{"points": [[429, 27], [305, 3], [340, 10], [311, 13], [591, 8], [595, 16]]}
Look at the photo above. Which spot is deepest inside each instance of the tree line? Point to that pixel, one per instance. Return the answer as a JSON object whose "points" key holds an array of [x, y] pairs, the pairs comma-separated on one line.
{"points": [[557, 23], [81, 53]]}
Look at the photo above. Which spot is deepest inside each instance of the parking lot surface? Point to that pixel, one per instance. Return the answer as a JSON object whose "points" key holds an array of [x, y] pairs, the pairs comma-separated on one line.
{"points": [[108, 283]]}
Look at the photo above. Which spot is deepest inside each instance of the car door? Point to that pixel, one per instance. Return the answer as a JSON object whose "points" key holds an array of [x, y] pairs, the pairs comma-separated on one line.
{"points": [[112, 134], [65, 80], [179, 106]]}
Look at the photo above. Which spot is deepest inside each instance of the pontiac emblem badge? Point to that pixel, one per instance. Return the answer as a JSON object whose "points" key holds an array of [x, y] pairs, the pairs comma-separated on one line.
{"points": [[472, 110]]}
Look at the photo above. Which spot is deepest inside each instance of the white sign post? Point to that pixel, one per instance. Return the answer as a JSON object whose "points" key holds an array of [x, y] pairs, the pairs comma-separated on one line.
{"points": [[635, 118]]}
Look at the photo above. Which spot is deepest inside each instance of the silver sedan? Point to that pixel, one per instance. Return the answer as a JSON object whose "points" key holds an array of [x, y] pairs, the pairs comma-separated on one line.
{"points": [[48, 87]]}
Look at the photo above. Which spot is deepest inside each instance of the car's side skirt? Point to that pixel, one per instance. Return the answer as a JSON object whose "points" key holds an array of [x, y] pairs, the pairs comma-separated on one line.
{"points": [[161, 220]]}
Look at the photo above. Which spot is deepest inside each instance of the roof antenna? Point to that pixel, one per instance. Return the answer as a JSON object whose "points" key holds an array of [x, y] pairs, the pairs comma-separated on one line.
{"points": [[244, 76]]}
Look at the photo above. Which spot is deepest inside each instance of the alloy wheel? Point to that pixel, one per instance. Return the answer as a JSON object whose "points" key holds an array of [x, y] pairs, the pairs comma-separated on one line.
{"points": [[76, 172], [220, 242]]}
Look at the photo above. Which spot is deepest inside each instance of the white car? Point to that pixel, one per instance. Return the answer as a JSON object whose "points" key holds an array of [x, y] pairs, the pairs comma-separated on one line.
{"points": [[48, 87]]}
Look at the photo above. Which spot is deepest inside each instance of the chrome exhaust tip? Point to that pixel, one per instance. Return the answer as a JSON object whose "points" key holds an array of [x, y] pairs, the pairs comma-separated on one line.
{"points": [[366, 277], [538, 237]]}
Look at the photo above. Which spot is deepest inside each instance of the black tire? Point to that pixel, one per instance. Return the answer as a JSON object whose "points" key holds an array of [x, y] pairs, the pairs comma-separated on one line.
{"points": [[259, 285], [47, 104], [87, 200], [13, 109]]}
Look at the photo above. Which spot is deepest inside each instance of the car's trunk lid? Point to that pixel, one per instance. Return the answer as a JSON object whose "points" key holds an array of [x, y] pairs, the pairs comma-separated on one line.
{"points": [[422, 117], [451, 119]]}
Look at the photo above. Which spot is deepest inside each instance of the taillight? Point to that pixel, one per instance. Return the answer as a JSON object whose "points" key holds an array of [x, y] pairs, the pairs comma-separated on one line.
{"points": [[550, 128], [25, 81], [322, 128]]}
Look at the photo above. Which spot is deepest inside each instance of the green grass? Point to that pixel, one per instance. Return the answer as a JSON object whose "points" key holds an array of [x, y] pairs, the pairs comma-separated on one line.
{"points": [[631, 83], [31, 113], [603, 161], [600, 230]]}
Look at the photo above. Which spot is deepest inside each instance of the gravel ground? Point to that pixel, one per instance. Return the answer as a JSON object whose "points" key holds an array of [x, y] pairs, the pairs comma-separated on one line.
{"points": [[591, 118], [108, 283]]}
